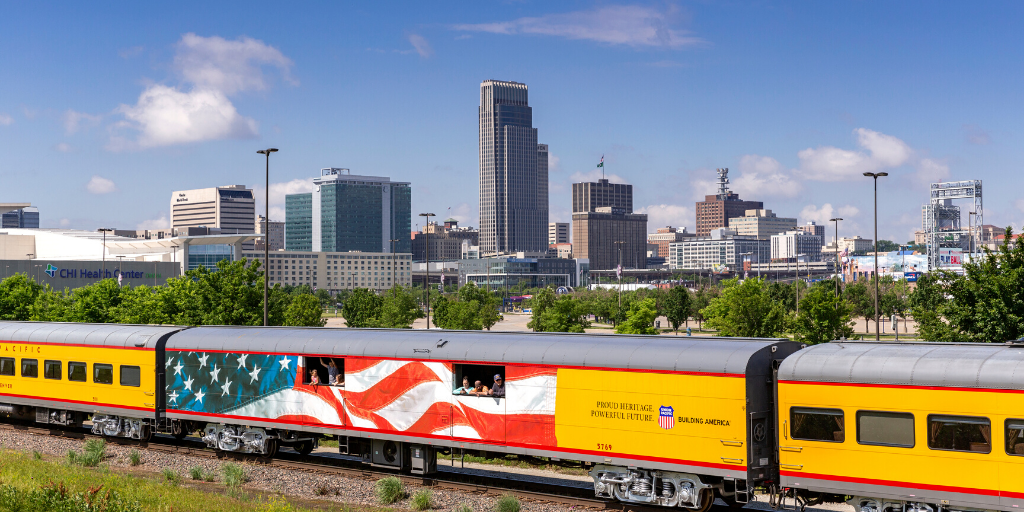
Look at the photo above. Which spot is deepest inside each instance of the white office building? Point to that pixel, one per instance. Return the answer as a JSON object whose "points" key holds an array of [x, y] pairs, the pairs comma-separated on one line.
{"points": [[724, 249], [789, 245], [335, 271]]}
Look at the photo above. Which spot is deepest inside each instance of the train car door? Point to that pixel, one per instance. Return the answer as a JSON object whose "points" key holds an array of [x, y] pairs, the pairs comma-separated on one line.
{"points": [[759, 457]]}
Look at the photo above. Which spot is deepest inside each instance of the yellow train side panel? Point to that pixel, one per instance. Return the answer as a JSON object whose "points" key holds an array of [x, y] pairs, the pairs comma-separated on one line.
{"points": [[618, 414], [85, 393], [937, 470]]}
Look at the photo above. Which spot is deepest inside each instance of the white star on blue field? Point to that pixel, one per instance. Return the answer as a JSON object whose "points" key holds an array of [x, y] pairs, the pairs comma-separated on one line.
{"points": [[220, 382]]}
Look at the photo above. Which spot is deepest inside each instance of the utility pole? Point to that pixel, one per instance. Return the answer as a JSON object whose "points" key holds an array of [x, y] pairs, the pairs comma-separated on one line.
{"points": [[618, 273], [394, 274], [839, 263], [426, 233], [875, 176], [103, 273]]}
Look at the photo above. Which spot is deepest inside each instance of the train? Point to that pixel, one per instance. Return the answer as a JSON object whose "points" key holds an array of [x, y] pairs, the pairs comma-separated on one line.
{"points": [[671, 421]]}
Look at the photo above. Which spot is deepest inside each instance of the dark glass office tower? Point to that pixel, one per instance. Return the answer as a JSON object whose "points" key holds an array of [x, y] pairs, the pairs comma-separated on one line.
{"points": [[513, 183]]}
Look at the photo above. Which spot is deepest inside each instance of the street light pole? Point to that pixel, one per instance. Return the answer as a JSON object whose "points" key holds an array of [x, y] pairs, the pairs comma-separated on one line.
{"points": [[103, 272], [970, 233], [426, 233], [838, 261], [266, 235], [796, 282], [394, 270], [618, 273], [875, 176]]}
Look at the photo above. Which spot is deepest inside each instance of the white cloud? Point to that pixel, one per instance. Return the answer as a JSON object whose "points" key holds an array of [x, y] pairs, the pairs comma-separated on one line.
{"points": [[763, 176], [216, 69], [6, 120], [825, 212], [661, 215], [100, 185], [65, 223], [594, 175], [63, 147], [465, 213], [164, 116], [421, 45], [154, 224], [829, 163], [1019, 204], [73, 121], [931, 171], [228, 66], [976, 135], [554, 163], [277, 193], [628, 25]]}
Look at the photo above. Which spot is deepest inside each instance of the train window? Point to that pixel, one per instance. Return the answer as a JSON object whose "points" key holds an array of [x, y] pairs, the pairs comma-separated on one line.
{"points": [[30, 368], [131, 376], [885, 428], [472, 373], [327, 374], [814, 424], [103, 373], [959, 433], [51, 369], [76, 371], [7, 366]]}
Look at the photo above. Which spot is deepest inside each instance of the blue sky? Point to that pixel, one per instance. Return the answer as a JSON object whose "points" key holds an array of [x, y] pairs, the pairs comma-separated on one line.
{"points": [[106, 110]]}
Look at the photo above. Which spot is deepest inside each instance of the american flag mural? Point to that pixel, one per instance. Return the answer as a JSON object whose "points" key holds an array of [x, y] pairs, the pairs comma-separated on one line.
{"points": [[413, 397], [666, 417]]}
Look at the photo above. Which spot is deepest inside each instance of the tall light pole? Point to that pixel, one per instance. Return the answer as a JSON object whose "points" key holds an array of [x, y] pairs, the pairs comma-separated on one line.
{"points": [[970, 230], [426, 233], [618, 273], [875, 176], [266, 235], [104, 257], [839, 263], [797, 282]]}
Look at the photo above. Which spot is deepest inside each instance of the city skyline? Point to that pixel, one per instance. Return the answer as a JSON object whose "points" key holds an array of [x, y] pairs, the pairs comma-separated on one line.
{"points": [[796, 99]]}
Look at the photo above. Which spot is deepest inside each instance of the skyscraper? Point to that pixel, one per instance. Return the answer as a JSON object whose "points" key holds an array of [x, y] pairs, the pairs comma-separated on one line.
{"points": [[231, 208], [604, 228], [350, 213], [715, 211], [513, 172]]}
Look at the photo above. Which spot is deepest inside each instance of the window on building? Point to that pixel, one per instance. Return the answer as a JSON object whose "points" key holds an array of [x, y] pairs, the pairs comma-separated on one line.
{"points": [[814, 424], [7, 366], [30, 368], [959, 433], [885, 428], [52, 370], [131, 376], [103, 373]]}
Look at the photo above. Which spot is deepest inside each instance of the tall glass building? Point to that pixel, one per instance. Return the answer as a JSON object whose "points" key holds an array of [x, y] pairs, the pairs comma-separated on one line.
{"points": [[350, 213], [513, 172]]}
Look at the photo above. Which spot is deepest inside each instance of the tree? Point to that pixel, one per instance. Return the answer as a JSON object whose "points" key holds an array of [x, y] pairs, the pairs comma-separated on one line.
{"points": [[398, 309], [986, 304], [558, 314], [17, 295], [677, 306], [304, 311], [747, 310], [487, 302], [362, 308], [473, 309], [823, 316], [701, 300], [887, 246], [639, 318], [540, 303], [861, 300]]}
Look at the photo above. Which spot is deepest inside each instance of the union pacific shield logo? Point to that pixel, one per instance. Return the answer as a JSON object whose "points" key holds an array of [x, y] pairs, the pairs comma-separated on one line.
{"points": [[667, 419]]}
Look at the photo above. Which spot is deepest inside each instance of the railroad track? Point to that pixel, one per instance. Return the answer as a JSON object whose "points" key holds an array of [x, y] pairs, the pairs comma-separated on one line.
{"points": [[495, 485]]}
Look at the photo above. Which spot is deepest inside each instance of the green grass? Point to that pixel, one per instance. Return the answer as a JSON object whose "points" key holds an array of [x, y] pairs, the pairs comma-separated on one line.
{"points": [[462, 508], [389, 490], [508, 503], [422, 500], [234, 475], [92, 453], [30, 485], [171, 476], [135, 458]]}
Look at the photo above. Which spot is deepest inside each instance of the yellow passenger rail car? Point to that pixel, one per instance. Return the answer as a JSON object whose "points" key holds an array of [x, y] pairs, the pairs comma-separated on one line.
{"points": [[905, 427]]}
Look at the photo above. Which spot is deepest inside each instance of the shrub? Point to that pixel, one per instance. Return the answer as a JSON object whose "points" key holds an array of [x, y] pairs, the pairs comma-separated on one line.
{"points": [[92, 454], [196, 473], [57, 497], [234, 475], [462, 508], [171, 476], [135, 458], [423, 500], [389, 490], [36, 455], [321, 489], [508, 503]]}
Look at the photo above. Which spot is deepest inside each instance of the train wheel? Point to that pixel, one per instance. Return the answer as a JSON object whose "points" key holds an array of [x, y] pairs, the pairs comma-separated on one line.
{"points": [[304, 448], [707, 500], [271, 448], [178, 430]]}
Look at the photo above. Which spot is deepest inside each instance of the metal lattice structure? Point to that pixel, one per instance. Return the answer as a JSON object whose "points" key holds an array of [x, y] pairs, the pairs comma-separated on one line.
{"points": [[942, 221]]}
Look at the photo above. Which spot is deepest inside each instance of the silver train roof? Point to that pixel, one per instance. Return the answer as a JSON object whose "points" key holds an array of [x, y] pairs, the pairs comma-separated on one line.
{"points": [[975, 365], [669, 353], [110, 335]]}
